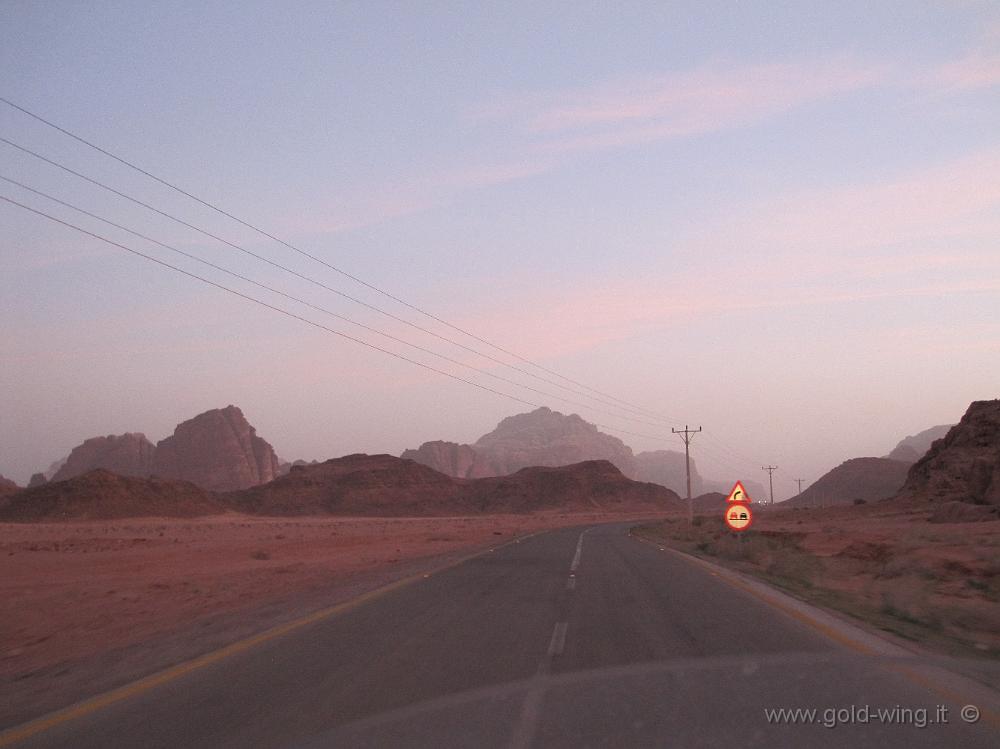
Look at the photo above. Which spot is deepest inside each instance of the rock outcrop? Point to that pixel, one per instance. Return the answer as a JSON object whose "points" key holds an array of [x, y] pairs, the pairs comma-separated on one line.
{"points": [[452, 459], [964, 466], [129, 454], [545, 437], [868, 479], [7, 486], [100, 495], [37, 479], [217, 450], [913, 448]]}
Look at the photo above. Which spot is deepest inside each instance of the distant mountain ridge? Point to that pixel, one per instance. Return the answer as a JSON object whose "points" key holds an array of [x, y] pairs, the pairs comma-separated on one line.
{"points": [[913, 448], [868, 479], [358, 485], [544, 437]]}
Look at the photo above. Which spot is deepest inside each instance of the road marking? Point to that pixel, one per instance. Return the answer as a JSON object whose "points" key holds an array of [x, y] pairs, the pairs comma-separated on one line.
{"points": [[101, 701], [558, 641], [579, 552], [571, 583]]}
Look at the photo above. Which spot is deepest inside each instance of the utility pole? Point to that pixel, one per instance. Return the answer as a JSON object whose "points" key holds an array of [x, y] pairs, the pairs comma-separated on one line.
{"points": [[770, 478], [799, 482], [687, 435]]}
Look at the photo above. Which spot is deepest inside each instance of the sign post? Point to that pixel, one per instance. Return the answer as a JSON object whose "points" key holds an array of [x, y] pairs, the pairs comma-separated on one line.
{"points": [[738, 516]]}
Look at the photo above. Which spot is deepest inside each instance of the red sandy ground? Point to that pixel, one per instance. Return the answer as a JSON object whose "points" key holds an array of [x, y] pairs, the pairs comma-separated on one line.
{"points": [[86, 606]]}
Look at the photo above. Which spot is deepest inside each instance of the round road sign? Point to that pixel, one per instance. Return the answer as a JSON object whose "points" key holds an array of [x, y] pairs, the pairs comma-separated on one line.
{"points": [[738, 516]]}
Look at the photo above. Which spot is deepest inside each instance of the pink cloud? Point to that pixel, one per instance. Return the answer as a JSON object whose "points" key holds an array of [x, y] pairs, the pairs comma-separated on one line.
{"points": [[977, 70], [708, 98], [829, 247]]}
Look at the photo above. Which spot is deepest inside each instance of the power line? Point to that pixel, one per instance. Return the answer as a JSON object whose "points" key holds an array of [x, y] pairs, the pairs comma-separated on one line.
{"points": [[332, 267], [343, 318], [617, 402], [298, 317], [313, 281]]}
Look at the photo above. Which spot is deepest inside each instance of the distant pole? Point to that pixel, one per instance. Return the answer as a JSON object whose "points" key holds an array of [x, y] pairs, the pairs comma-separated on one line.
{"points": [[799, 481], [770, 478], [687, 435]]}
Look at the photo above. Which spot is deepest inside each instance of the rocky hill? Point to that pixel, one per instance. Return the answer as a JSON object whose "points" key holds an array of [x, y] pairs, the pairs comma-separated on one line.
{"points": [[912, 448], [353, 485], [7, 486], [452, 459], [710, 502], [964, 466], [587, 486], [101, 495], [361, 485], [217, 450], [870, 479], [129, 454], [386, 485]]}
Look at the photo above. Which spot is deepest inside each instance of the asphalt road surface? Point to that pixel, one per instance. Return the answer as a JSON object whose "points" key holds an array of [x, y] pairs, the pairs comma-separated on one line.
{"points": [[570, 638]]}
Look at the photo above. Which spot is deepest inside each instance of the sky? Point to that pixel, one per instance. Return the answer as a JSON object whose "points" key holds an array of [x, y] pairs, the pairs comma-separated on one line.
{"points": [[776, 221]]}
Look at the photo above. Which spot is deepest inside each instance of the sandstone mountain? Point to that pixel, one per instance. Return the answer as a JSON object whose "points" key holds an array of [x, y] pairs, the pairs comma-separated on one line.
{"points": [[217, 450], [129, 454], [870, 479], [285, 466], [914, 447], [542, 437], [100, 495], [7, 486], [53, 468], [964, 466], [452, 459], [545, 437]]}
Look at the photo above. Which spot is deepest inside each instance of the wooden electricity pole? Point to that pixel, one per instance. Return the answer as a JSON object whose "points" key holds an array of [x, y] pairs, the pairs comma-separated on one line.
{"points": [[770, 478], [687, 434]]}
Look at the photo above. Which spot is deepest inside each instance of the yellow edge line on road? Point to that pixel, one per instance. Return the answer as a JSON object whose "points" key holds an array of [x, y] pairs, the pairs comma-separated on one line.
{"points": [[93, 704], [988, 715]]}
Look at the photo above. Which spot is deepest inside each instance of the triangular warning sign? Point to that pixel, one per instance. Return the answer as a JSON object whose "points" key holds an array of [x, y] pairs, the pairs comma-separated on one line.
{"points": [[738, 494]]}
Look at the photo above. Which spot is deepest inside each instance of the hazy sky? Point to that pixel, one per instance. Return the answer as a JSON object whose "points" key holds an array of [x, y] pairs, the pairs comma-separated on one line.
{"points": [[780, 222]]}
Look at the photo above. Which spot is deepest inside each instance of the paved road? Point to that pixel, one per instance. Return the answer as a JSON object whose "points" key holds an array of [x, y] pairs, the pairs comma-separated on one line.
{"points": [[567, 639]]}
